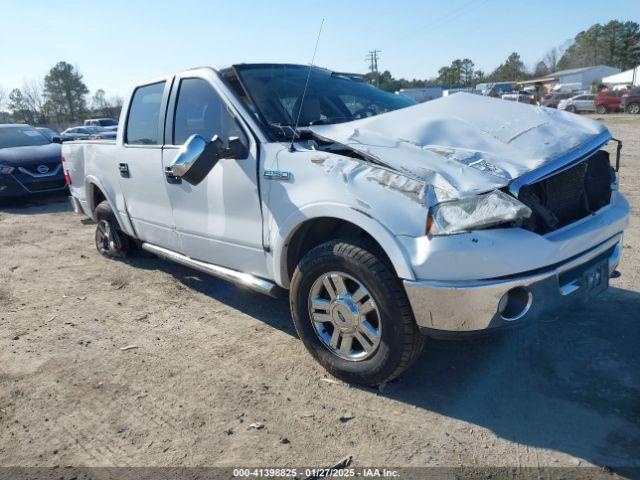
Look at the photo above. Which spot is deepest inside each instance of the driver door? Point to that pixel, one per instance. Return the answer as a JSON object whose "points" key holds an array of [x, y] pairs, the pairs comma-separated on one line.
{"points": [[218, 221]]}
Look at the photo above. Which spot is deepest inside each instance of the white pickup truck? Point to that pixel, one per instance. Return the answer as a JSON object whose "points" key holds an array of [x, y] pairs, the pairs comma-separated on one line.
{"points": [[386, 221]]}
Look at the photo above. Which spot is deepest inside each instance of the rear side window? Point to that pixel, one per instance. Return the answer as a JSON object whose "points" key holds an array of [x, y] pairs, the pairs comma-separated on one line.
{"points": [[201, 111], [144, 115]]}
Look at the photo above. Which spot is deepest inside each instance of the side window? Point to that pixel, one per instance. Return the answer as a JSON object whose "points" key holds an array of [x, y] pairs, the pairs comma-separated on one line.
{"points": [[144, 115], [200, 110]]}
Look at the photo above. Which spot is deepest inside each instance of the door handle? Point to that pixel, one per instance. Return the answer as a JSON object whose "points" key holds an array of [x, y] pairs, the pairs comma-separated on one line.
{"points": [[171, 178], [124, 170]]}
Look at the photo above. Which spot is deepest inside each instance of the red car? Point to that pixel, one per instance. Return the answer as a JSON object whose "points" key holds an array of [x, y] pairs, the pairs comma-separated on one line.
{"points": [[608, 101]]}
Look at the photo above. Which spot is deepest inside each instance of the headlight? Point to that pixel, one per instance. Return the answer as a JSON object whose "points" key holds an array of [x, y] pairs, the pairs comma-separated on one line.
{"points": [[5, 170], [474, 213]]}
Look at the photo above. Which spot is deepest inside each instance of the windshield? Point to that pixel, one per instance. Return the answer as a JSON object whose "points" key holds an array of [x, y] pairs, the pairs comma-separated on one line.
{"points": [[21, 136], [276, 93]]}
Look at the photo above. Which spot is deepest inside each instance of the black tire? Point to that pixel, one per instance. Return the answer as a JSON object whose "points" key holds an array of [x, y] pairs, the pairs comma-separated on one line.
{"points": [[571, 109], [633, 108], [400, 341], [601, 109], [111, 242]]}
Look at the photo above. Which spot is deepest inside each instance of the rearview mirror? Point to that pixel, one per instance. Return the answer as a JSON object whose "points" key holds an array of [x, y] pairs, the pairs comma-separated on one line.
{"points": [[196, 158], [56, 139]]}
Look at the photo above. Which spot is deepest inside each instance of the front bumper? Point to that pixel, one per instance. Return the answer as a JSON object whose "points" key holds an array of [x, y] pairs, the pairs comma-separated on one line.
{"points": [[23, 183], [464, 305]]}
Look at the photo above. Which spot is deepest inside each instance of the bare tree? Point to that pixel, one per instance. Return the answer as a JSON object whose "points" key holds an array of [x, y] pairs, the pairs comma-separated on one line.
{"points": [[3, 97], [106, 107], [553, 56], [33, 93]]}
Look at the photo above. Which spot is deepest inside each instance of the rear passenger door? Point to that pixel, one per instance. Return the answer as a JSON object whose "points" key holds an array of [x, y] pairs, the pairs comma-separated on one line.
{"points": [[218, 221], [142, 177]]}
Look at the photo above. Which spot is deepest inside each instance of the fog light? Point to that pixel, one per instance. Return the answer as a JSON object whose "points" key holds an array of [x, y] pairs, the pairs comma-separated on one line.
{"points": [[515, 304]]}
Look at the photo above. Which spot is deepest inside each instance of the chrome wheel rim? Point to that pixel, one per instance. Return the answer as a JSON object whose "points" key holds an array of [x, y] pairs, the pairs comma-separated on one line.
{"points": [[105, 238], [345, 316], [634, 108]]}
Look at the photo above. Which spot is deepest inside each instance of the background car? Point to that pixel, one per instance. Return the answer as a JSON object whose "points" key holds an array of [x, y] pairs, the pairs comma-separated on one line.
{"points": [[552, 100], [29, 162], [579, 103], [608, 101], [519, 96], [88, 133], [108, 123], [630, 101], [48, 132]]}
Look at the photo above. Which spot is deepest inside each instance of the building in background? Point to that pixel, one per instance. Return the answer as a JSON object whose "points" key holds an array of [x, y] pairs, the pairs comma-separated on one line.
{"points": [[628, 78], [575, 79]]}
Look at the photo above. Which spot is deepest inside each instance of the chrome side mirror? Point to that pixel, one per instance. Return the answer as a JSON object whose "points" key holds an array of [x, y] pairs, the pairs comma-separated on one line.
{"points": [[196, 158]]}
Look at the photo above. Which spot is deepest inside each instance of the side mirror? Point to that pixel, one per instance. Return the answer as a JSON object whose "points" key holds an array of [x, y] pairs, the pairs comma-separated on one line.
{"points": [[196, 158], [56, 139], [236, 149]]}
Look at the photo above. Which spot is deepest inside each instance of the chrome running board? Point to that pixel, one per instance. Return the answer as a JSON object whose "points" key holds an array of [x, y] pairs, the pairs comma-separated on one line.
{"points": [[242, 279]]}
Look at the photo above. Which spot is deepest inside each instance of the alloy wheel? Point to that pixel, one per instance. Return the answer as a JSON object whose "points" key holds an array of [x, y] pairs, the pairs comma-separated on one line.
{"points": [[106, 240], [345, 316]]}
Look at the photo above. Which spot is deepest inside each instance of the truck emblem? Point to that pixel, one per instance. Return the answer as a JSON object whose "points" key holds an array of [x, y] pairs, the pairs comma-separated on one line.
{"points": [[42, 169], [276, 175]]}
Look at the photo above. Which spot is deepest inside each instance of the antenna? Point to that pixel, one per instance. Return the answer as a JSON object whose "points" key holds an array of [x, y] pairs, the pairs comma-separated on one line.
{"points": [[304, 92]]}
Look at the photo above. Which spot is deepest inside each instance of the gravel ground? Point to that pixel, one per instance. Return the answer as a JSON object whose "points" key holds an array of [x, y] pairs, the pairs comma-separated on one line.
{"points": [[208, 360]]}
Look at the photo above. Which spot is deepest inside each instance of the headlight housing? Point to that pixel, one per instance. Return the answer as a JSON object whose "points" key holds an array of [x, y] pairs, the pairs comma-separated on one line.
{"points": [[475, 213], [6, 170]]}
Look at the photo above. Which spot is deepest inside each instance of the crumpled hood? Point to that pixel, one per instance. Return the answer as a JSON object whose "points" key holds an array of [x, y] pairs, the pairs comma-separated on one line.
{"points": [[466, 144]]}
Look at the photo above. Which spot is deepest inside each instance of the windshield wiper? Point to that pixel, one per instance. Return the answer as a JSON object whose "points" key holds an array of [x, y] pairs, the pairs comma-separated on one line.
{"points": [[283, 131]]}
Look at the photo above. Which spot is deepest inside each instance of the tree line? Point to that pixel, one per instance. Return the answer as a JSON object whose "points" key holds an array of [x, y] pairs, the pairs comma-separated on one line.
{"points": [[616, 44], [60, 98]]}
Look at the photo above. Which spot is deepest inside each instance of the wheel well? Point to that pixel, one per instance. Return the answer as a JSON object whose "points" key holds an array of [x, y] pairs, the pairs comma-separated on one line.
{"points": [[319, 230], [96, 196]]}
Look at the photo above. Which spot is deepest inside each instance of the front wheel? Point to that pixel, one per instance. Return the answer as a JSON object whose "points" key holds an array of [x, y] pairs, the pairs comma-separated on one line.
{"points": [[633, 108], [352, 313], [571, 109]]}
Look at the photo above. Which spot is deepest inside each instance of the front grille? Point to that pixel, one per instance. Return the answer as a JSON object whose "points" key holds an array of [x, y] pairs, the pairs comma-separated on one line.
{"points": [[34, 168], [568, 196], [48, 185]]}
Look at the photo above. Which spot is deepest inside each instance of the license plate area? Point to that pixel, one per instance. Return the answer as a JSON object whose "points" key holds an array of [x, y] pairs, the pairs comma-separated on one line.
{"points": [[595, 280]]}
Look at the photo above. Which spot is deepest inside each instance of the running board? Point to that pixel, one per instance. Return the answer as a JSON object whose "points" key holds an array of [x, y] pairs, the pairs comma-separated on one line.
{"points": [[242, 279]]}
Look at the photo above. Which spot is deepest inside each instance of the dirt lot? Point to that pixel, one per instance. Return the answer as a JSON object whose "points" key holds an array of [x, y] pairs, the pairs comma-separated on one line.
{"points": [[212, 359]]}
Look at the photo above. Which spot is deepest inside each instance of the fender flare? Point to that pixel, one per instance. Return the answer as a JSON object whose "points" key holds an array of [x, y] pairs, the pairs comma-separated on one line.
{"points": [[91, 182], [286, 230]]}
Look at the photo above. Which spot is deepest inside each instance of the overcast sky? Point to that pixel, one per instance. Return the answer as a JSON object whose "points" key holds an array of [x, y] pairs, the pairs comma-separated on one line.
{"points": [[117, 43]]}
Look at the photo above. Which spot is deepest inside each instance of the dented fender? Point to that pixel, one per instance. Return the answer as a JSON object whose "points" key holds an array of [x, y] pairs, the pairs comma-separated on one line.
{"points": [[318, 184]]}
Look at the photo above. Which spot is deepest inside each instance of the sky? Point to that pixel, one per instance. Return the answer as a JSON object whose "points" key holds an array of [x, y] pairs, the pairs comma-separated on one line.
{"points": [[118, 43]]}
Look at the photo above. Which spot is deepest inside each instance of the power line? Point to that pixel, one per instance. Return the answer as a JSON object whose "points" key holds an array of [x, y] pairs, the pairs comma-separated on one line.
{"points": [[372, 57]]}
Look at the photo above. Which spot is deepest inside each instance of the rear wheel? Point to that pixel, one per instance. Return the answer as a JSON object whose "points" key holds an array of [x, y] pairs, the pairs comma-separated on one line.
{"points": [[601, 109], [352, 314], [633, 108], [111, 242]]}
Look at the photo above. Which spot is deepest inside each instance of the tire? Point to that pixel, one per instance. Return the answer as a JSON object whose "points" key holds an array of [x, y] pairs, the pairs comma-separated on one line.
{"points": [[633, 108], [601, 109], [397, 342], [111, 242], [571, 109]]}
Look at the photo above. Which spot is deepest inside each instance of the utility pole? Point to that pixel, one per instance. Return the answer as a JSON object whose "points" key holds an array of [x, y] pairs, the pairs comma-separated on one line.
{"points": [[372, 57]]}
